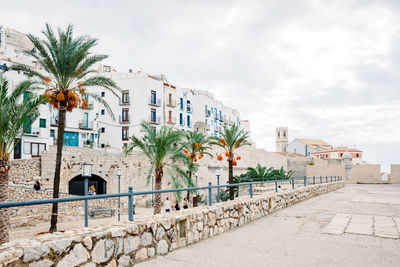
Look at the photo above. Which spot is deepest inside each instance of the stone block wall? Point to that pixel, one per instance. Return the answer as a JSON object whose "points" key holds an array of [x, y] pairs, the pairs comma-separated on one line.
{"points": [[366, 174], [24, 171], [394, 174], [126, 243]]}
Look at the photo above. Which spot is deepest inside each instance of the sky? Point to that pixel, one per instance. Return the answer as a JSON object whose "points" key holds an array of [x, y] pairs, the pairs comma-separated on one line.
{"points": [[327, 69]]}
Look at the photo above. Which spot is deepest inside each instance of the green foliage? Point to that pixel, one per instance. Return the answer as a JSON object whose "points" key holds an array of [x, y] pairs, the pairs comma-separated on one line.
{"points": [[233, 137], [15, 117]]}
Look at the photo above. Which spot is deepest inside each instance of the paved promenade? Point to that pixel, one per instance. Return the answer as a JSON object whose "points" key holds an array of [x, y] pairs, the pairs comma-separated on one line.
{"points": [[358, 225]]}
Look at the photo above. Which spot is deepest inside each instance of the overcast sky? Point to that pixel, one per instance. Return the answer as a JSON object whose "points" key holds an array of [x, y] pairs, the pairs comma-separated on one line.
{"points": [[326, 69]]}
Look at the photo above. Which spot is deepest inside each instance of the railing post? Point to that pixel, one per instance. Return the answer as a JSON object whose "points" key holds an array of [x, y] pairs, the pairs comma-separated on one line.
{"points": [[292, 182], [219, 192], [130, 203], [334, 179], [305, 180], [313, 178], [86, 187], [209, 194], [331, 178], [251, 188], [276, 185], [320, 179], [326, 179], [119, 198]]}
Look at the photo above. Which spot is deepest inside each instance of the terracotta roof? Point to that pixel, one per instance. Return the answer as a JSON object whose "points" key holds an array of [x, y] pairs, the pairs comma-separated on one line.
{"points": [[337, 150], [314, 143]]}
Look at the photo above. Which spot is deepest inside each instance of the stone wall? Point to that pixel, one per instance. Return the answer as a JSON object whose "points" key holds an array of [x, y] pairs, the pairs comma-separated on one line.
{"points": [[394, 177], [299, 164], [327, 170], [24, 171], [126, 243]]}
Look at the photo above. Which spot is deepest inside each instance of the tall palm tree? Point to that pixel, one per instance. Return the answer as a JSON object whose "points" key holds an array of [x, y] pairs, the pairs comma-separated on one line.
{"points": [[196, 145], [15, 119], [232, 139], [67, 62], [162, 149]]}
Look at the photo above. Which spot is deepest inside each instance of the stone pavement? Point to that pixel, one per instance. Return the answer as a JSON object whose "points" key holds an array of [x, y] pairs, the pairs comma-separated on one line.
{"points": [[358, 225]]}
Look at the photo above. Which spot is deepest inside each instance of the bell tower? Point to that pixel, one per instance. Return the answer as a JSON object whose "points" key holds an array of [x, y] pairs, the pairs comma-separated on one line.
{"points": [[281, 138]]}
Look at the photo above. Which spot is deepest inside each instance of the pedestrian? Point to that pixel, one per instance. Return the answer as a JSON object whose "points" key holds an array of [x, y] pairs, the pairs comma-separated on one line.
{"points": [[279, 188], [177, 206], [36, 186], [167, 205], [185, 204]]}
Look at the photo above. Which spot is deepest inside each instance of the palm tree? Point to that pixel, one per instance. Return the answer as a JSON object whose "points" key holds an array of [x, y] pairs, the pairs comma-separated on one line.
{"points": [[67, 62], [232, 139], [162, 149], [15, 119], [258, 172], [196, 145]]}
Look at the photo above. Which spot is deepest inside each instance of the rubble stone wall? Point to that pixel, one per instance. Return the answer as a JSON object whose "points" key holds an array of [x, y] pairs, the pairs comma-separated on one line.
{"points": [[126, 243]]}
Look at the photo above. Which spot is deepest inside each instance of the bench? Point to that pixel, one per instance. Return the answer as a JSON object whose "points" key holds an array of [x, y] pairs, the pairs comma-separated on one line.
{"points": [[101, 213]]}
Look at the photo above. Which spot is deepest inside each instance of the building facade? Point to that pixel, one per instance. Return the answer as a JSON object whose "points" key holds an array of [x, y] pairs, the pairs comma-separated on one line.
{"points": [[340, 153]]}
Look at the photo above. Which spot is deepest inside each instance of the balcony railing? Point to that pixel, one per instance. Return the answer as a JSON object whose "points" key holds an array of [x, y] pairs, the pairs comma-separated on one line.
{"points": [[207, 112], [171, 120], [124, 119], [53, 121], [189, 108], [171, 103], [155, 101], [84, 124], [33, 132], [155, 120], [125, 101]]}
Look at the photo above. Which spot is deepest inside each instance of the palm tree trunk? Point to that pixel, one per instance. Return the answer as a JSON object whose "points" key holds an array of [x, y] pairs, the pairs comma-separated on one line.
{"points": [[56, 182], [158, 173], [4, 218], [230, 173], [188, 192]]}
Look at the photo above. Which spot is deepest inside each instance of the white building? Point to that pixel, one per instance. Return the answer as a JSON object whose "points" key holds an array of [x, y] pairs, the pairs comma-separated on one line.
{"points": [[80, 124], [144, 97]]}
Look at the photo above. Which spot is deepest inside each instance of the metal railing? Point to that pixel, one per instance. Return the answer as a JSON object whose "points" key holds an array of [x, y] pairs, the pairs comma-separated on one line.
{"points": [[130, 194]]}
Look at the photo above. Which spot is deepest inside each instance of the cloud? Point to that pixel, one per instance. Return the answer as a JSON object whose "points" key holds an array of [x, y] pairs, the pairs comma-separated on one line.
{"points": [[327, 69]]}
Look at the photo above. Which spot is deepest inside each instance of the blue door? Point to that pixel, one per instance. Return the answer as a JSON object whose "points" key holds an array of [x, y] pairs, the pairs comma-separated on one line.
{"points": [[71, 139]]}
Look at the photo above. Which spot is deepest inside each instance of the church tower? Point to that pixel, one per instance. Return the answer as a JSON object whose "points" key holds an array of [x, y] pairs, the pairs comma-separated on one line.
{"points": [[281, 138]]}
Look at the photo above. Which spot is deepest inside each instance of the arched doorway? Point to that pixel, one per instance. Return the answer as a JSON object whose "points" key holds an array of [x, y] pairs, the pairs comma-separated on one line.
{"points": [[77, 185]]}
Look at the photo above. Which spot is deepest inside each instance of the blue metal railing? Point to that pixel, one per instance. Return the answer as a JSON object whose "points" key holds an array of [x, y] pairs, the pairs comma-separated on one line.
{"points": [[130, 194]]}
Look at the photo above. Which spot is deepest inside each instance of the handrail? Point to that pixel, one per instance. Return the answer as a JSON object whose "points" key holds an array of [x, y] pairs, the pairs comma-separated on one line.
{"points": [[130, 194]]}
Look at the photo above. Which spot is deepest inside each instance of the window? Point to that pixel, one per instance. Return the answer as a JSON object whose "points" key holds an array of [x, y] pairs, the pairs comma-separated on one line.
{"points": [[153, 97], [169, 116], [170, 99], [357, 155], [125, 97], [42, 123], [102, 112], [180, 118], [125, 114], [52, 133], [153, 115], [37, 149], [188, 121], [102, 130], [125, 133], [181, 103], [106, 68], [103, 94]]}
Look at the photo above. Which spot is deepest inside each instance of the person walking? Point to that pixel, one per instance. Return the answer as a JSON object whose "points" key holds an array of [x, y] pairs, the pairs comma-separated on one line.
{"points": [[36, 186], [185, 204], [167, 205], [177, 206]]}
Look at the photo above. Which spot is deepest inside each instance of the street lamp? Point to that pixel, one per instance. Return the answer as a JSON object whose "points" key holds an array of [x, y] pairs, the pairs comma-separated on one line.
{"points": [[218, 173], [119, 191], [86, 173]]}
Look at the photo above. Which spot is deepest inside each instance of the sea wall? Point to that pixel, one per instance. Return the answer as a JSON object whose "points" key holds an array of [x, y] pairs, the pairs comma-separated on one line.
{"points": [[125, 243]]}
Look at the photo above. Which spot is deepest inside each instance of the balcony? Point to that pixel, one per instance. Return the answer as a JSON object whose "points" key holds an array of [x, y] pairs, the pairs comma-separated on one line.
{"points": [[125, 102], [124, 119], [171, 120], [90, 105], [155, 120], [171, 103], [155, 101], [54, 121], [183, 122], [86, 125], [189, 108], [207, 112], [33, 132]]}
